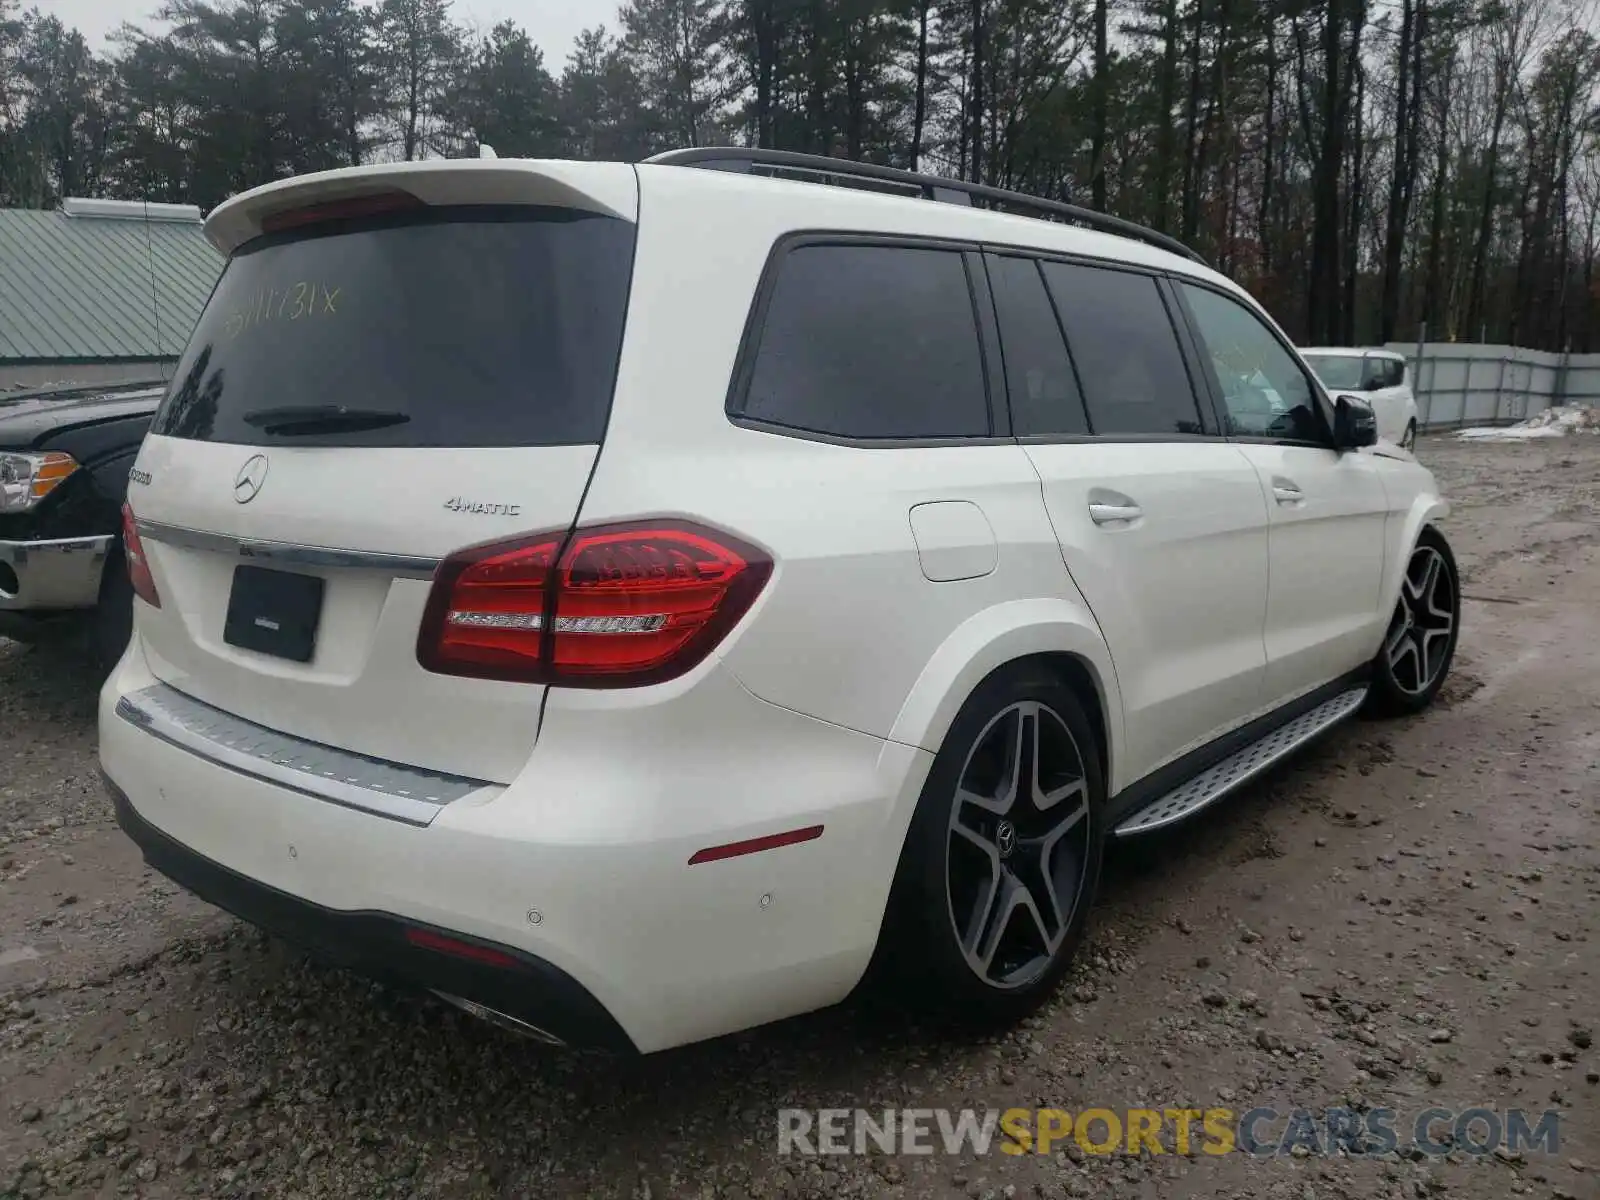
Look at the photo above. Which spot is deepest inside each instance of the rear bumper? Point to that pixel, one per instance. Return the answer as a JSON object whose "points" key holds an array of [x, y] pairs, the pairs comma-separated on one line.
{"points": [[59, 573], [377, 945], [580, 868]]}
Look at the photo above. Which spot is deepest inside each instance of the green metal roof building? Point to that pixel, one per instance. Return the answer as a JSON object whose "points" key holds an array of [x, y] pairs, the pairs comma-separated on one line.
{"points": [[99, 291]]}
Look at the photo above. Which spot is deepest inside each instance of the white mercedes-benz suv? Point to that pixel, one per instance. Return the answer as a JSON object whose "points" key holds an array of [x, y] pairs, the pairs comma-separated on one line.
{"points": [[639, 602]]}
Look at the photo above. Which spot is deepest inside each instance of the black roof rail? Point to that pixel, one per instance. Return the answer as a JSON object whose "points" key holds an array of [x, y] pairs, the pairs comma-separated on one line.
{"points": [[873, 177]]}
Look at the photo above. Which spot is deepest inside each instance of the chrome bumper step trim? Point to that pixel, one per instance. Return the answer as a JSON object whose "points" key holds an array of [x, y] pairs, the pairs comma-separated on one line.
{"points": [[293, 554], [387, 789]]}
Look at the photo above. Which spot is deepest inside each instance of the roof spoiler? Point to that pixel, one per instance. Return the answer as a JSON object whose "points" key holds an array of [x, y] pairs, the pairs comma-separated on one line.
{"points": [[610, 189]]}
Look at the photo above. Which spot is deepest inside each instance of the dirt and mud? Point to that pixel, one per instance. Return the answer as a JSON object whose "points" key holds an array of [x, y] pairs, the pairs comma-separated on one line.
{"points": [[1404, 918]]}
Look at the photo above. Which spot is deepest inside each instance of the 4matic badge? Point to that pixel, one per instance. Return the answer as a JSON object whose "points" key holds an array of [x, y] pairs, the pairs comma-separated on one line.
{"points": [[482, 507]]}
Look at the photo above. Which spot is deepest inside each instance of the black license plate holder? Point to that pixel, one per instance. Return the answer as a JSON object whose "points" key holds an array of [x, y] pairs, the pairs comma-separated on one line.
{"points": [[274, 612]]}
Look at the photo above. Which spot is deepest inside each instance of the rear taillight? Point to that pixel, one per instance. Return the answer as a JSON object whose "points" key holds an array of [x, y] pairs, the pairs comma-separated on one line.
{"points": [[611, 606], [144, 584]]}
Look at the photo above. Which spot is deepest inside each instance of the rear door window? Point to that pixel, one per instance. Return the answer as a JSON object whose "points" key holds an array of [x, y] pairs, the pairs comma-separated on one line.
{"points": [[870, 342], [469, 326], [1126, 350], [1045, 401]]}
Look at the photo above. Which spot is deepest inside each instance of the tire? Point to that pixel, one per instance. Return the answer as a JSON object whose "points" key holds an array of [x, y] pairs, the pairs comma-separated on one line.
{"points": [[1408, 440], [1420, 643], [112, 625], [967, 854]]}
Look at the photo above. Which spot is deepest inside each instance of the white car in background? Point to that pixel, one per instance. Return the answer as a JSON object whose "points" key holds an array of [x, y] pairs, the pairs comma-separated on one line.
{"points": [[1380, 377]]}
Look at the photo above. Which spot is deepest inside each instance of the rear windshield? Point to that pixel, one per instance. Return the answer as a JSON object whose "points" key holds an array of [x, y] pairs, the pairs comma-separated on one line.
{"points": [[1338, 372], [466, 326]]}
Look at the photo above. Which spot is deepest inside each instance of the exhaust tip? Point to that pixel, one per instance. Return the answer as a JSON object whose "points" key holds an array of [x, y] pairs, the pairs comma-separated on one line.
{"points": [[503, 1020]]}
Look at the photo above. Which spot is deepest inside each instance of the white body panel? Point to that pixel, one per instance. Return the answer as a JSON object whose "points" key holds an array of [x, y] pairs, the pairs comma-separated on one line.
{"points": [[902, 576], [1179, 591], [1328, 512]]}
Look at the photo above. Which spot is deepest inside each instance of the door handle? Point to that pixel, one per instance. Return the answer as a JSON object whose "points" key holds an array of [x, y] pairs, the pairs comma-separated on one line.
{"points": [[1104, 514], [1287, 491]]}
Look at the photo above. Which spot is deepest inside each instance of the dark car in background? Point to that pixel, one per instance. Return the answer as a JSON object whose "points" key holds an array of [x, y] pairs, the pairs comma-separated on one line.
{"points": [[65, 454]]}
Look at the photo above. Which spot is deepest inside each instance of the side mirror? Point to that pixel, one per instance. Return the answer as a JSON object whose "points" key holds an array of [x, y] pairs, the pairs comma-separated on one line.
{"points": [[1354, 424]]}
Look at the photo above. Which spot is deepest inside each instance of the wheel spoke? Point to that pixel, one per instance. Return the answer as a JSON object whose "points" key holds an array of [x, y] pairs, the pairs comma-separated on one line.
{"points": [[1407, 650], [1399, 634], [1045, 801], [1434, 642], [1048, 937], [980, 839], [1429, 565], [989, 926], [1445, 610], [1041, 881], [991, 804], [1024, 756]]}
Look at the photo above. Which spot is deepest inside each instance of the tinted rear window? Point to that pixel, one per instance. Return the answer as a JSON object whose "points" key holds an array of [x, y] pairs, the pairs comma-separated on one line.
{"points": [[1126, 352], [1043, 388], [871, 342], [473, 326]]}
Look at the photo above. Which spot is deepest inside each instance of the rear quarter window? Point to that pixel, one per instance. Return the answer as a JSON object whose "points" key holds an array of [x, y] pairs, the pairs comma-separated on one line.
{"points": [[468, 326], [869, 342]]}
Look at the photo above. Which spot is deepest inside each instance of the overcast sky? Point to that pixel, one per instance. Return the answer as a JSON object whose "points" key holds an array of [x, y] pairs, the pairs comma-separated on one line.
{"points": [[552, 24]]}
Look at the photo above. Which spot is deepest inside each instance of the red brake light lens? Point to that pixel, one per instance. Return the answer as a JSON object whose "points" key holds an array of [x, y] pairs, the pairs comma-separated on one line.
{"points": [[485, 615], [616, 606], [336, 210], [144, 584]]}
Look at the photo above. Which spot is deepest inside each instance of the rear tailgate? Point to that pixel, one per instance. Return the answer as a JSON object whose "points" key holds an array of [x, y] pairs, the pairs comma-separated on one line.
{"points": [[366, 393]]}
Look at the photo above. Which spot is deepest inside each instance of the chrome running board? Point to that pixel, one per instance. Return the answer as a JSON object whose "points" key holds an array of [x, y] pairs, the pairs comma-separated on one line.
{"points": [[1239, 768]]}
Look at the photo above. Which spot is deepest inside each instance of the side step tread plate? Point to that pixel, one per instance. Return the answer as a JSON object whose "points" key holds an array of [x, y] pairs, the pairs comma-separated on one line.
{"points": [[1243, 765]]}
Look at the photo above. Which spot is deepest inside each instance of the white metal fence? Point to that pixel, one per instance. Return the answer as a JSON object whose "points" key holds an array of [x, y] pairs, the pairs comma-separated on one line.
{"points": [[1458, 384]]}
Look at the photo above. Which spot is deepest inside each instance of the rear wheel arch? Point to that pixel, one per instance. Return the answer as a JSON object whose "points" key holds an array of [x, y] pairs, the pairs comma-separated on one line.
{"points": [[1050, 632]]}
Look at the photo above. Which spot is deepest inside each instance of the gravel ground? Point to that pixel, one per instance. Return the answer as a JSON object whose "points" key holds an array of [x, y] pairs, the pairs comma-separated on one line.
{"points": [[1404, 917]]}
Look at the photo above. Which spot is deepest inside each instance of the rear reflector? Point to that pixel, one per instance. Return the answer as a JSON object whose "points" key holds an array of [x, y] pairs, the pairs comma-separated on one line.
{"points": [[144, 584], [756, 845], [429, 940], [610, 606]]}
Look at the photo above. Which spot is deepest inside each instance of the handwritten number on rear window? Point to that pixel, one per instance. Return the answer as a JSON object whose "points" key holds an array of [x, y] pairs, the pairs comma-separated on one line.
{"points": [[302, 300]]}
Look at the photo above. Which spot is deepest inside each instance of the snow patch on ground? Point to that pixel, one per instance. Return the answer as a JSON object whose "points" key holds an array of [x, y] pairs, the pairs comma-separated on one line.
{"points": [[1555, 422]]}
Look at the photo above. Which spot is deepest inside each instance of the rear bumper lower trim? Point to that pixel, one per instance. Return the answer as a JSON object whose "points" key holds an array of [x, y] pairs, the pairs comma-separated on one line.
{"points": [[385, 789], [532, 991]]}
